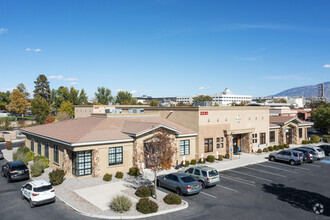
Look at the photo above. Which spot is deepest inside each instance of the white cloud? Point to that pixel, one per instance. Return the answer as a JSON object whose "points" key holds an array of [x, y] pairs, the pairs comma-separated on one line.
{"points": [[118, 90], [326, 66], [203, 88], [33, 50], [60, 77], [133, 92], [74, 83], [3, 31]]}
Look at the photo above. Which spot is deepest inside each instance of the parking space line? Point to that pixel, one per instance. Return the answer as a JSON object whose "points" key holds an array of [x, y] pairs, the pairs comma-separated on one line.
{"points": [[287, 165], [276, 168], [275, 174], [241, 179], [227, 188], [237, 180], [258, 177], [312, 165], [208, 194]]}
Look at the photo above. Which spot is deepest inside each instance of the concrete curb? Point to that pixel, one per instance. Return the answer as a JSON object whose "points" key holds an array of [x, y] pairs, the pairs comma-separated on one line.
{"points": [[163, 212], [242, 165]]}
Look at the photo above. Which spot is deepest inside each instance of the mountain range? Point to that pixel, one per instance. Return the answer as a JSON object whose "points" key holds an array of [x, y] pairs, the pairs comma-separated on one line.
{"points": [[306, 91]]}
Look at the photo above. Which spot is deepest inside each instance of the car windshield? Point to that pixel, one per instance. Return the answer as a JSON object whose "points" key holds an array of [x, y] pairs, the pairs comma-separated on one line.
{"points": [[213, 173], [312, 152], [319, 150], [43, 188], [20, 167], [187, 179]]}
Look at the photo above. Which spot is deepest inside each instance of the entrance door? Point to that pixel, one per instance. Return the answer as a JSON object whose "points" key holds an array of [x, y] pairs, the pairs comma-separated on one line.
{"points": [[288, 136], [236, 143], [82, 163]]}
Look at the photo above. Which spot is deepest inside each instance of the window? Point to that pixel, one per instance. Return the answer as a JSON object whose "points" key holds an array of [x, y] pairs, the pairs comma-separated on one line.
{"points": [[272, 136], [47, 150], [39, 147], [262, 138], [115, 155], [82, 163], [190, 170], [55, 153], [220, 142], [197, 172], [204, 173], [184, 147], [208, 145], [254, 138], [300, 132], [32, 144]]}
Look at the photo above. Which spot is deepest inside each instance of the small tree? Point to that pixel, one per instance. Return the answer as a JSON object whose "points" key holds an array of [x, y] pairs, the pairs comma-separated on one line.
{"points": [[202, 98], [18, 103], [159, 152], [153, 103], [103, 95], [67, 107], [62, 116], [40, 108]]}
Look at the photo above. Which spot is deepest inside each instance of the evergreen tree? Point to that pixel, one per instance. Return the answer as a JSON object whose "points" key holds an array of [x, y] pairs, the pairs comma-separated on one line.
{"points": [[21, 87], [42, 88], [40, 108], [4, 99]]}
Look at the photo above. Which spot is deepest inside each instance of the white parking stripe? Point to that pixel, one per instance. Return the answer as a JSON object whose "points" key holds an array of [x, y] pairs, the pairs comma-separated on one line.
{"points": [[238, 181], [275, 174], [227, 188], [258, 177], [234, 177], [276, 168], [312, 165], [288, 165], [208, 194]]}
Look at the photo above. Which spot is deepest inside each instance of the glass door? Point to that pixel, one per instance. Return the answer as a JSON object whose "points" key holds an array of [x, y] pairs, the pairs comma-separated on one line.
{"points": [[82, 163]]}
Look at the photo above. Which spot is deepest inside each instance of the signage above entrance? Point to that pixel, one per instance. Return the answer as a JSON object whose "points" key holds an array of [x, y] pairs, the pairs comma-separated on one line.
{"points": [[204, 113]]}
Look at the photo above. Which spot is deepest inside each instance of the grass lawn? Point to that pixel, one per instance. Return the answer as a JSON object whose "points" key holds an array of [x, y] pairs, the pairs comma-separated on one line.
{"points": [[13, 118]]}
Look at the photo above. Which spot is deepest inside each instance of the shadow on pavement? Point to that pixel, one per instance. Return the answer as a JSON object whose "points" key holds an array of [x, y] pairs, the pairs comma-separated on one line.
{"points": [[301, 199]]}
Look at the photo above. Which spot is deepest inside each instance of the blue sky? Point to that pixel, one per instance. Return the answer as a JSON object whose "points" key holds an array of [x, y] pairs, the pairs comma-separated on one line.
{"points": [[166, 47]]}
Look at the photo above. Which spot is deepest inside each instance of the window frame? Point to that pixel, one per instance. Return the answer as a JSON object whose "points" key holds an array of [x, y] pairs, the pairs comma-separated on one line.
{"points": [[116, 153], [271, 136], [55, 154], [184, 147], [208, 144], [262, 137], [39, 147], [32, 144], [255, 138], [46, 152], [300, 132], [79, 163]]}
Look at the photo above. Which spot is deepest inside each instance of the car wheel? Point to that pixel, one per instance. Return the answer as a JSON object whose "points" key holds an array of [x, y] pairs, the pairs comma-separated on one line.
{"points": [[31, 204], [292, 162], [272, 159], [203, 184], [179, 191], [22, 196], [158, 183]]}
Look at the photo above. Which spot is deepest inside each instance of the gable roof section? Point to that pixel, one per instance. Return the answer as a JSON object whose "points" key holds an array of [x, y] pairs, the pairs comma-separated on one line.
{"points": [[283, 120], [88, 131]]}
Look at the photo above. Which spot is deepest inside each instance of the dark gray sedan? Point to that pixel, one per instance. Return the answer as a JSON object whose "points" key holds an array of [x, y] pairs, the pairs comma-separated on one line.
{"points": [[180, 183]]}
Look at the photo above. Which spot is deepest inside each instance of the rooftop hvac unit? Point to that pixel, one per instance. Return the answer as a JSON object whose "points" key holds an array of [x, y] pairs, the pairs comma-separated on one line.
{"points": [[113, 111], [135, 110]]}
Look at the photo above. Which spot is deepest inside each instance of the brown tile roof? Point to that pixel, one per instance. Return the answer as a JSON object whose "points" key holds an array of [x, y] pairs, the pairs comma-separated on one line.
{"points": [[281, 119], [92, 129]]}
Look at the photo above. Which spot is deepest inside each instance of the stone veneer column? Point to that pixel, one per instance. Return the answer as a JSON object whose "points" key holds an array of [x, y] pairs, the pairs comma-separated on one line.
{"points": [[246, 143], [295, 134], [95, 163], [229, 144], [282, 136], [305, 134], [67, 162]]}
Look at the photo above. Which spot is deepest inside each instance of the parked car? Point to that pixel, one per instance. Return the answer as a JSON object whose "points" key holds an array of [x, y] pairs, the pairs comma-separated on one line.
{"points": [[207, 176], [15, 170], [309, 154], [181, 183], [292, 156], [319, 152], [1, 155], [38, 192], [326, 149]]}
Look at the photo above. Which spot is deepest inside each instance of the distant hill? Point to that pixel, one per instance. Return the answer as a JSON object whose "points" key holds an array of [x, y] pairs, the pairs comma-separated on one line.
{"points": [[306, 91]]}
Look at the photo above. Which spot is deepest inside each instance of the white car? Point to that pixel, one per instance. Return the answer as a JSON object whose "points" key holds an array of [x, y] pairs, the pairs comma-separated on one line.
{"points": [[38, 192], [319, 151]]}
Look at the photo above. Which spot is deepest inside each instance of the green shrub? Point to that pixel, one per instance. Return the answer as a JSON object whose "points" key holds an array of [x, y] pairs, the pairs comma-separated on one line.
{"points": [[227, 156], [121, 203], [210, 158], [265, 149], [23, 150], [119, 175], [30, 156], [145, 191], [286, 146], [276, 147], [193, 162], [56, 177], [220, 158], [202, 162], [259, 151], [270, 148], [9, 145], [281, 147], [326, 138], [43, 159], [107, 177], [37, 168], [20, 156], [186, 164], [134, 171], [172, 199], [315, 139], [146, 206], [2, 139]]}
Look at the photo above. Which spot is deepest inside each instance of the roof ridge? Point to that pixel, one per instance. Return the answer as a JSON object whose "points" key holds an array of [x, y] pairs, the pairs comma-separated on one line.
{"points": [[92, 128]]}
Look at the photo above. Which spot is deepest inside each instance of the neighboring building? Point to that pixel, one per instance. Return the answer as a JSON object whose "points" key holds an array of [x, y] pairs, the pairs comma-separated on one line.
{"points": [[106, 144], [282, 111], [225, 98], [296, 102], [145, 100], [304, 113]]}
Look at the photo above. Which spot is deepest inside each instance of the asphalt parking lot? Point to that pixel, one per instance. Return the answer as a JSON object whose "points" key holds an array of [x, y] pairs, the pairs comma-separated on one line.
{"points": [[269, 190]]}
